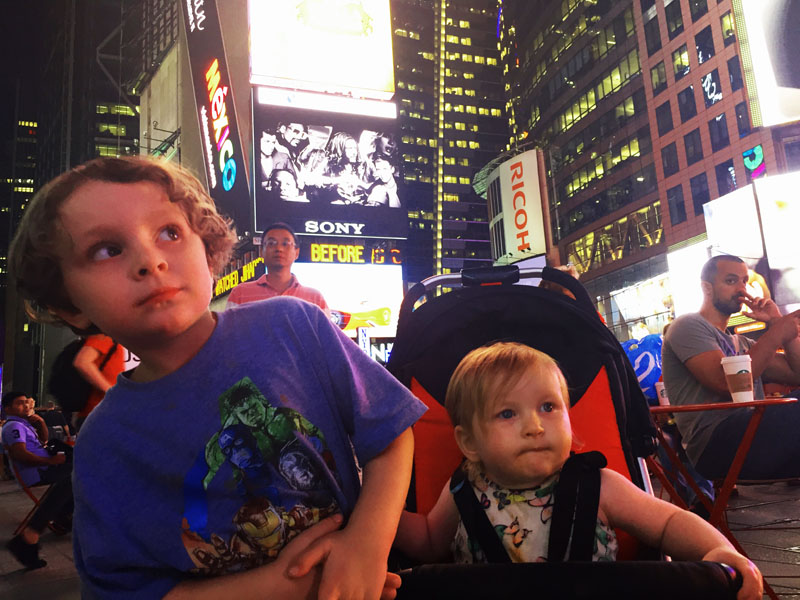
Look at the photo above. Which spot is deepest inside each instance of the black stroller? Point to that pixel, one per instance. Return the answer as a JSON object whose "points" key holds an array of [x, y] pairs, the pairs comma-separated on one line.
{"points": [[608, 413]]}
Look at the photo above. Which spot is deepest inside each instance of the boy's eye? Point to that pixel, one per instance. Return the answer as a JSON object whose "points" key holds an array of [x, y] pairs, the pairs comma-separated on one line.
{"points": [[105, 252], [548, 407], [506, 414], [170, 233]]}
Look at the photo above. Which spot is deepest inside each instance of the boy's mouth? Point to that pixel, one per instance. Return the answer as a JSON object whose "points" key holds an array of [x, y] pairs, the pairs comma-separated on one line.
{"points": [[159, 295]]}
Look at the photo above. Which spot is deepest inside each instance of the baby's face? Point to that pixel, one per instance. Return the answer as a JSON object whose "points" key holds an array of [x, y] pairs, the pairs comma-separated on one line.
{"points": [[526, 436], [131, 263]]}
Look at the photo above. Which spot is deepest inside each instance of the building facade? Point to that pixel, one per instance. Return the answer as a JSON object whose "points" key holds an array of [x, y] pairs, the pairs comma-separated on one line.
{"points": [[450, 100], [642, 112]]}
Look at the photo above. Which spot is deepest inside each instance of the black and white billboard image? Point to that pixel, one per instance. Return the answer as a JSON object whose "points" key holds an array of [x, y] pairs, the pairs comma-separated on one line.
{"points": [[327, 173]]}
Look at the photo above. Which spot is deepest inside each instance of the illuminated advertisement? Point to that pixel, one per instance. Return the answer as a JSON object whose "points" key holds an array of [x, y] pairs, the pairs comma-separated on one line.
{"points": [[336, 46], [780, 214], [754, 164], [359, 295], [516, 225], [327, 173], [768, 38], [219, 132], [769, 250], [247, 272]]}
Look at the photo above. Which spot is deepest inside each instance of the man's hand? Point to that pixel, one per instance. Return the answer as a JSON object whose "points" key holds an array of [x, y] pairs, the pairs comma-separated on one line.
{"points": [[760, 309], [352, 568], [58, 459], [786, 327], [752, 583]]}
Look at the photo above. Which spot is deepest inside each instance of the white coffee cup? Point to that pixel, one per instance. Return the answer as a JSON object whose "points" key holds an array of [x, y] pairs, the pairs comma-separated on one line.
{"points": [[661, 392], [739, 376]]}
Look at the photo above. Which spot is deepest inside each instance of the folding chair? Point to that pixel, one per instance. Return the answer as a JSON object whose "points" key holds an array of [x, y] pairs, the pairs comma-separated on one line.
{"points": [[608, 411], [723, 487], [36, 499]]}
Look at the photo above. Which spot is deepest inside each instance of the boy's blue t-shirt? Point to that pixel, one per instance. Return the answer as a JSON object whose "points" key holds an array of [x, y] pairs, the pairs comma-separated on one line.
{"points": [[215, 467]]}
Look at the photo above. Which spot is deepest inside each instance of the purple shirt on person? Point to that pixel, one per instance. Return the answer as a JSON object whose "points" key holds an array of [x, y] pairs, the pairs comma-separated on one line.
{"points": [[18, 430]]}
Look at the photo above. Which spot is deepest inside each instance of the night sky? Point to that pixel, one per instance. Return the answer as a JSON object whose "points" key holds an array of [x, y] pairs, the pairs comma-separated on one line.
{"points": [[20, 49]]}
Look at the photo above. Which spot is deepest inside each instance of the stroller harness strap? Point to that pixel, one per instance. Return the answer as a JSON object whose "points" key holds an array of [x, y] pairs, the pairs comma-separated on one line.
{"points": [[577, 498], [479, 528]]}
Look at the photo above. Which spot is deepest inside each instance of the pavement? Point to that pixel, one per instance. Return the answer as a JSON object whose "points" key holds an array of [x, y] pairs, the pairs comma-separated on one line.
{"points": [[777, 553]]}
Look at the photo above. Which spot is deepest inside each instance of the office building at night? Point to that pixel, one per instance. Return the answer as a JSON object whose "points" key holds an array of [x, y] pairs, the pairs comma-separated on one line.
{"points": [[642, 112]]}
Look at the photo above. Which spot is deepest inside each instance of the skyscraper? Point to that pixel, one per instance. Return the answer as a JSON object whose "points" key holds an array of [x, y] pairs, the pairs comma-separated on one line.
{"points": [[641, 110], [450, 101]]}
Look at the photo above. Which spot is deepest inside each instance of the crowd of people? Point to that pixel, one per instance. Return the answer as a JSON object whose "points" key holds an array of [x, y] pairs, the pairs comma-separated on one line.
{"points": [[314, 164], [292, 472]]}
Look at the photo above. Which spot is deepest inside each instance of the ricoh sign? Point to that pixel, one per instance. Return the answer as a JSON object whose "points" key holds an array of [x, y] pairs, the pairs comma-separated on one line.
{"points": [[216, 113], [516, 214]]}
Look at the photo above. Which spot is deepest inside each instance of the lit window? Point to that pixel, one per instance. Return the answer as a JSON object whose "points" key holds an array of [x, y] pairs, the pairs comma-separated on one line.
{"points": [[401, 32], [480, 60]]}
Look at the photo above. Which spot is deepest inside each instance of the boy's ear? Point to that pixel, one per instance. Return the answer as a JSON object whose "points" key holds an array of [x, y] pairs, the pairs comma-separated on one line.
{"points": [[75, 319], [466, 443]]}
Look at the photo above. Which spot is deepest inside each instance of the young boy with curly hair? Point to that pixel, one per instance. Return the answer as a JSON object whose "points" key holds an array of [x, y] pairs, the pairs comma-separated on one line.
{"points": [[236, 447]]}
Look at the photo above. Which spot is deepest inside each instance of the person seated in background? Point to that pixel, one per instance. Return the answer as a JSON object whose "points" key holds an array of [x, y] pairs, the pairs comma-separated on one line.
{"points": [[510, 407], [693, 347], [36, 465], [57, 426]]}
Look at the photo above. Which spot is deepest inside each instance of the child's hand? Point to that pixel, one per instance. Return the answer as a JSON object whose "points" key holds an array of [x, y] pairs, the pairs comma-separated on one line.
{"points": [[352, 568], [752, 584]]}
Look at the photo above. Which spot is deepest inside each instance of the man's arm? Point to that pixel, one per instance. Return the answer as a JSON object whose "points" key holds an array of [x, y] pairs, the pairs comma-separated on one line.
{"points": [[84, 362], [19, 454], [782, 332], [355, 558], [40, 426]]}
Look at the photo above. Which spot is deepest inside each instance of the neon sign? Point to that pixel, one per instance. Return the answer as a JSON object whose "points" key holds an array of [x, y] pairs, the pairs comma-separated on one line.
{"points": [[219, 115], [221, 145], [353, 254], [754, 163]]}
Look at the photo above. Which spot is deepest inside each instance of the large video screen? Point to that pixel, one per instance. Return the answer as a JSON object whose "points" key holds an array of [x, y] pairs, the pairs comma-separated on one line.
{"points": [[358, 295], [770, 58], [780, 214], [327, 173], [339, 46]]}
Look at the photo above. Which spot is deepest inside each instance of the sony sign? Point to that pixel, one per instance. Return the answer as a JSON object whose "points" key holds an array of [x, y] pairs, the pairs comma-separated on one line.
{"points": [[334, 228]]}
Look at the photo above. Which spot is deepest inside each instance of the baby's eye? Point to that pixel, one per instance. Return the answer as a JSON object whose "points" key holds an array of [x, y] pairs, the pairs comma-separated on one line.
{"points": [[105, 252], [506, 414], [548, 407], [170, 233]]}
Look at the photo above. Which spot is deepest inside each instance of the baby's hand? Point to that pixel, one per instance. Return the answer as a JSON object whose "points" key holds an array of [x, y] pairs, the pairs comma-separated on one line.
{"points": [[752, 584], [352, 568]]}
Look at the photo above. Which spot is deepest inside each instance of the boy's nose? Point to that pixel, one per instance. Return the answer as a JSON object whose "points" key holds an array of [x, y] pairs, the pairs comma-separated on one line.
{"points": [[149, 261]]}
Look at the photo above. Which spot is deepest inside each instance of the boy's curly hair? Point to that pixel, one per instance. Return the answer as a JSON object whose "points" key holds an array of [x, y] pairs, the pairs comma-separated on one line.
{"points": [[34, 252]]}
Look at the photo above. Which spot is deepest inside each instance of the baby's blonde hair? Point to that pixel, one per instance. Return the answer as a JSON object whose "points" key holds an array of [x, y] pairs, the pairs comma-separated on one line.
{"points": [[489, 373]]}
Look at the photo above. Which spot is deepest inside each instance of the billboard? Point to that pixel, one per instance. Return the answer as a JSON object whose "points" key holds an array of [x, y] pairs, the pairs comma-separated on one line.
{"points": [[359, 295], [780, 214], [516, 224], [334, 46], [768, 250], [327, 173], [223, 154], [768, 34]]}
